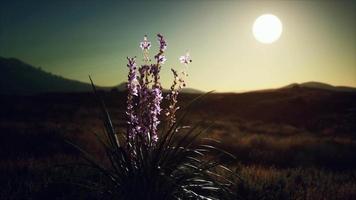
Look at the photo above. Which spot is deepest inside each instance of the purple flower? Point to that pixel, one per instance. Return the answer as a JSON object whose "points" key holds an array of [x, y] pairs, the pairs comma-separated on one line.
{"points": [[161, 59], [156, 99], [145, 95], [162, 43], [162, 47], [132, 83], [185, 59], [145, 44], [143, 101], [155, 110], [132, 88], [172, 97]]}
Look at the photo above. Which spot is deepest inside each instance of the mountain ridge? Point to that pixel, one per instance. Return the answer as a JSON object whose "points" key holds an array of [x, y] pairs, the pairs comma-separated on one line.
{"points": [[25, 79], [22, 78], [320, 85]]}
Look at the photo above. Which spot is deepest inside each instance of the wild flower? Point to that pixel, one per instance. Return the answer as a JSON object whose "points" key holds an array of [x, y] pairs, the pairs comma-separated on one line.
{"points": [[177, 86], [172, 97], [156, 94], [151, 166], [162, 43], [145, 44], [161, 59], [185, 59], [132, 87], [149, 93]]}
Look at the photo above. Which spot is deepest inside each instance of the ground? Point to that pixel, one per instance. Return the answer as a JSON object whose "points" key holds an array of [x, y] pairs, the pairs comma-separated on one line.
{"points": [[289, 144]]}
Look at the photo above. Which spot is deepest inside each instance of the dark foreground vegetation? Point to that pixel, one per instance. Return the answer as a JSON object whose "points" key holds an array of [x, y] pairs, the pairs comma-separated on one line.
{"points": [[293, 143]]}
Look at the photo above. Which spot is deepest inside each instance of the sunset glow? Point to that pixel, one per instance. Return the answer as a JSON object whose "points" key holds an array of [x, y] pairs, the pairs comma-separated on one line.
{"points": [[317, 42]]}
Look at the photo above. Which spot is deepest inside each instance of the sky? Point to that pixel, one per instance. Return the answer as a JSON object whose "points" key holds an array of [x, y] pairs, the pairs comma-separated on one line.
{"points": [[77, 38]]}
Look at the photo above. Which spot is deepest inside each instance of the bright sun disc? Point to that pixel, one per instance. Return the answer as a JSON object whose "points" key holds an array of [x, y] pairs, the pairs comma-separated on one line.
{"points": [[267, 28]]}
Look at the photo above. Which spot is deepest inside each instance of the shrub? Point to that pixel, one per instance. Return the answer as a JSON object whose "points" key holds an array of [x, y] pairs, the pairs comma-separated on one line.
{"points": [[145, 165]]}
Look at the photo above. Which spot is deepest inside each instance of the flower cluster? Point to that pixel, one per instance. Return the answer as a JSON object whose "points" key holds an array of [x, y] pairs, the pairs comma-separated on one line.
{"points": [[162, 47], [172, 97], [132, 87], [149, 167], [145, 45], [145, 93], [177, 86], [185, 59]]}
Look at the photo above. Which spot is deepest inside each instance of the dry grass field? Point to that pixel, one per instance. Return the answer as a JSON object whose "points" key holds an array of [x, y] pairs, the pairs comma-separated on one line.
{"points": [[292, 143]]}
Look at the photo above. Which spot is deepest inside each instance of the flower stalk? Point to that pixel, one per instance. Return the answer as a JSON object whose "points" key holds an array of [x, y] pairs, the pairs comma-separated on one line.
{"points": [[144, 84]]}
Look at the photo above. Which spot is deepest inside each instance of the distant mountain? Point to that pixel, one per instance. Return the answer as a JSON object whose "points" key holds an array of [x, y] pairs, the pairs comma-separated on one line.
{"points": [[21, 78], [121, 86], [192, 91], [313, 109], [319, 85], [18, 77]]}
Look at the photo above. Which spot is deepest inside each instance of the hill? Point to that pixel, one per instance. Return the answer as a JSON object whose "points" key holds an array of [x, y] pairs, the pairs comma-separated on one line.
{"points": [[312, 109], [21, 78], [315, 110], [323, 86]]}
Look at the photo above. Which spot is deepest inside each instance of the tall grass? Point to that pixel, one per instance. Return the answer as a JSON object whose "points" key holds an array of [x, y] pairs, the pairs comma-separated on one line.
{"points": [[295, 183]]}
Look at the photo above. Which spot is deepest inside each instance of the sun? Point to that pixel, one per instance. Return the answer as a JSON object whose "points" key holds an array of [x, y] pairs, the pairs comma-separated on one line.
{"points": [[267, 28]]}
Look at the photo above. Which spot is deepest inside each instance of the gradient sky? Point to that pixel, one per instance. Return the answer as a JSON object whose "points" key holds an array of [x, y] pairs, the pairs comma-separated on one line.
{"points": [[77, 38]]}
